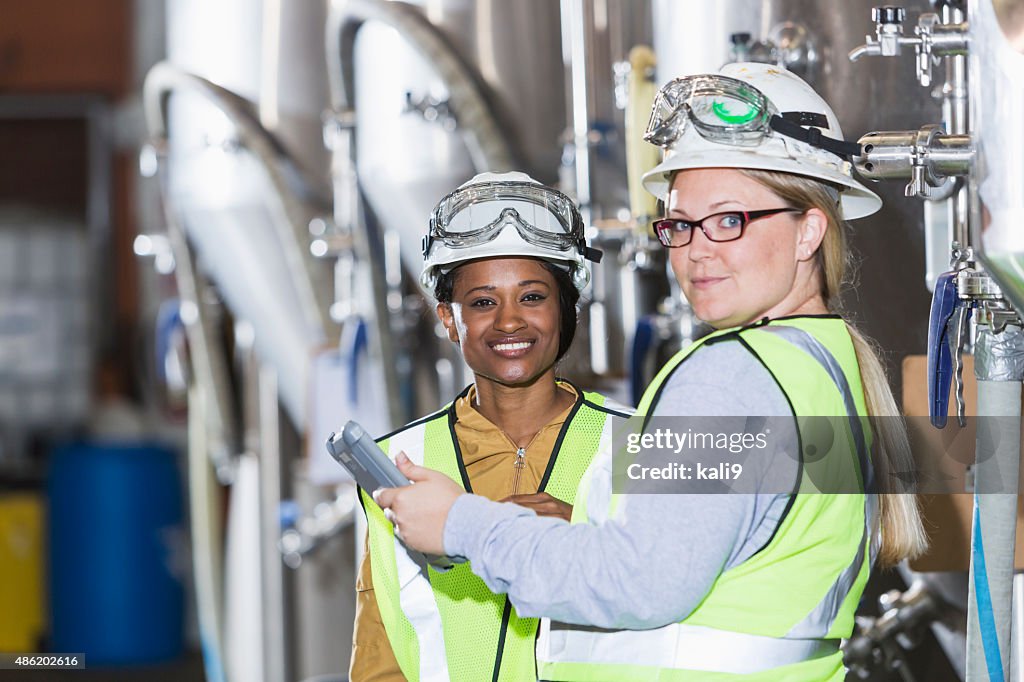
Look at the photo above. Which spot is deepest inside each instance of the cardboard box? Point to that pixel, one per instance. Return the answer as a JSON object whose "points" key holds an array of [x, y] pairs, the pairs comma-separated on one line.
{"points": [[947, 516]]}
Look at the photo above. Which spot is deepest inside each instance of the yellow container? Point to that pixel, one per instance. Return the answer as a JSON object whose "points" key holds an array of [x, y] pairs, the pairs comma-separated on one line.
{"points": [[21, 572]]}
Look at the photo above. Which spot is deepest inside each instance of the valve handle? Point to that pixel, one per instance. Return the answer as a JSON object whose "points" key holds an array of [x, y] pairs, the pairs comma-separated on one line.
{"points": [[957, 329], [940, 357], [888, 14]]}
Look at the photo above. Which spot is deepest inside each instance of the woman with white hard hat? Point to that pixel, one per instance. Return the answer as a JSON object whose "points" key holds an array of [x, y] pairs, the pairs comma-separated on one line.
{"points": [[760, 585], [506, 260]]}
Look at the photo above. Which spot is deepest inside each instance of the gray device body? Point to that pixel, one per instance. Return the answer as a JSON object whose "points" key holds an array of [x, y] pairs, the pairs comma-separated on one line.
{"points": [[355, 450]]}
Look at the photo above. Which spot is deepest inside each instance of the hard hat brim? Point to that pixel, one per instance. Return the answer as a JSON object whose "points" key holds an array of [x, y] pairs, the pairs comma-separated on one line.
{"points": [[856, 199]]}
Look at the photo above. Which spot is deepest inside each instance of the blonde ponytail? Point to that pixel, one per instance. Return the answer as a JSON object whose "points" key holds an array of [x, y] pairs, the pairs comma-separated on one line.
{"points": [[902, 534], [900, 531]]}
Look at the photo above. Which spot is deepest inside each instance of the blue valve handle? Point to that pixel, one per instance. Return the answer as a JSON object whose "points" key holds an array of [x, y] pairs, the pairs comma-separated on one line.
{"points": [[940, 355]]}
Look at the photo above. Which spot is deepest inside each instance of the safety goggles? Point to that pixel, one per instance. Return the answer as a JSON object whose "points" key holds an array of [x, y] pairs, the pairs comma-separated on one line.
{"points": [[477, 214], [733, 112]]}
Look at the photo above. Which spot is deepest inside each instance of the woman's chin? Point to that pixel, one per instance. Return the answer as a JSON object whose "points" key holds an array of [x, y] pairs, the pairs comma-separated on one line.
{"points": [[516, 377], [714, 314], [511, 379]]}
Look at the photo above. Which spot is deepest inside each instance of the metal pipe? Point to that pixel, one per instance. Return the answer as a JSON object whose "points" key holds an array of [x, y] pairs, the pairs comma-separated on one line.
{"points": [[861, 51], [292, 222], [891, 155], [927, 157], [366, 266], [950, 37], [999, 370], [951, 154], [574, 51], [208, 362], [212, 442], [277, 618], [955, 116], [206, 532]]}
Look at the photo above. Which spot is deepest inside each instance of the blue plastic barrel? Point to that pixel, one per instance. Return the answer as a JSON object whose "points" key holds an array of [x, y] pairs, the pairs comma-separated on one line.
{"points": [[116, 538]]}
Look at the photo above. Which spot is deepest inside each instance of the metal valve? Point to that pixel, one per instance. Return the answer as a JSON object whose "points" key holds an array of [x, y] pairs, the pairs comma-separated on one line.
{"points": [[965, 291], [788, 44], [888, 14], [882, 642], [932, 39], [888, 39], [888, 29], [927, 157]]}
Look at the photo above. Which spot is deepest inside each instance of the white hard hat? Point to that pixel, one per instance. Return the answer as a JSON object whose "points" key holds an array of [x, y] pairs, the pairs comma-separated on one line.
{"points": [[505, 214], [789, 98]]}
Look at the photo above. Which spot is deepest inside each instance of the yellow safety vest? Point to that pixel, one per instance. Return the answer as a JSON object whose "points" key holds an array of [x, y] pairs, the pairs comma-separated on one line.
{"points": [[449, 625], [780, 614]]}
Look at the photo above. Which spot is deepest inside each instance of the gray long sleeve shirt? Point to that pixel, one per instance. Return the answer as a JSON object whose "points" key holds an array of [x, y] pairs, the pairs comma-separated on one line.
{"points": [[656, 559]]}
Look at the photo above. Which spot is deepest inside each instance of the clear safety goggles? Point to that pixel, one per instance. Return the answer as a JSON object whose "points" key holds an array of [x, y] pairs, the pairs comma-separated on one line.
{"points": [[477, 214], [732, 112]]}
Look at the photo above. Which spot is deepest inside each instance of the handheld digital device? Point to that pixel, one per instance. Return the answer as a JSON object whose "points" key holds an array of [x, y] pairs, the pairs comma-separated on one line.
{"points": [[355, 450]]}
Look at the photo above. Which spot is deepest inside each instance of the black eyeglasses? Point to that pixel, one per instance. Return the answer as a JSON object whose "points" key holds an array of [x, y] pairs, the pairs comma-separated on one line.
{"points": [[718, 227]]}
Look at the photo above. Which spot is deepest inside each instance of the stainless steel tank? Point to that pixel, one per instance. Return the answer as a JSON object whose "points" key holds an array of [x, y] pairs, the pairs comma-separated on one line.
{"points": [[293, 93], [244, 187], [515, 49], [411, 148], [222, 192], [406, 158], [996, 75]]}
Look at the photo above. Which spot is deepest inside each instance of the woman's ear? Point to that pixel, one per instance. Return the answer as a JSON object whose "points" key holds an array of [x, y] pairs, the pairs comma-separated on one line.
{"points": [[447, 317], [811, 232]]}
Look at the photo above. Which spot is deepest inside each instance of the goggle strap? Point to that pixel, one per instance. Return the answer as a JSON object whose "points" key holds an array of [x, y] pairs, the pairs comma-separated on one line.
{"points": [[591, 254], [807, 118], [813, 137]]}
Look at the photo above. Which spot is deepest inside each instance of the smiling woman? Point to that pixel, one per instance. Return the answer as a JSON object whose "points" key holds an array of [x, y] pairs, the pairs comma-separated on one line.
{"points": [[508, 317], [506, 260], [770, 272]]}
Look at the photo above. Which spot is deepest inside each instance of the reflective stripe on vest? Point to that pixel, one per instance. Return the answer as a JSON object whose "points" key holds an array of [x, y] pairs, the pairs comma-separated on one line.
{"points": [[810, 345], [747, 627], [449, 626], [697, 647]]}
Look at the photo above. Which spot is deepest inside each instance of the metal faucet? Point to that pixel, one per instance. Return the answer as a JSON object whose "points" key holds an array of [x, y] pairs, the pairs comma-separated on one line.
{"points": [[932, 39]]}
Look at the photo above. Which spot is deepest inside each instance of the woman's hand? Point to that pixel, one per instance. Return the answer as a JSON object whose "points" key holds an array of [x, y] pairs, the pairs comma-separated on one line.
{"points": [[543, 504], [419, 511]]}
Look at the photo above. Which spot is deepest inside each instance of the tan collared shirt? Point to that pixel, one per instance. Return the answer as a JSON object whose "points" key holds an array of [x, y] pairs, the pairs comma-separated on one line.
{"points": [[489, 456]]}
